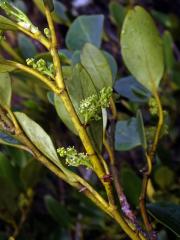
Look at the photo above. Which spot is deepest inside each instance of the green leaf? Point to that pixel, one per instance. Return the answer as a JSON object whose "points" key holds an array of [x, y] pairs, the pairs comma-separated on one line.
{"points": [[5, 89], [85, 29], [26, 46], [168, 52], [130, 88], [59, 14], [117, 13], [4, 67], [57, 211], [31, 173], [80, 86], [164, 177], [167, 214], [63, 114], [131, 184], [141, 130], [6, 24], [142, 49], [127, 135], [97, 66], [112, 63], [38, 136]]}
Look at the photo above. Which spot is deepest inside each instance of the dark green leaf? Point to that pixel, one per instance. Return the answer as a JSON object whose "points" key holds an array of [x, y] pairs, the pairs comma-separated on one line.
{"points": [[85, 29], [168, 52], [26, 46], [167, 214], [5, 89], [127, 135], [142, 49], [131, 184], [164, 177], [97, 66], [130, 88], [117, 12], [57, 211]]}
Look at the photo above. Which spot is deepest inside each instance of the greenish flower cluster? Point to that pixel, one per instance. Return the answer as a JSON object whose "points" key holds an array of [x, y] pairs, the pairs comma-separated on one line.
{"points": [[47, 33], [91, 107], [153, 107], [18, 16], [73, 158], [42, 66]]}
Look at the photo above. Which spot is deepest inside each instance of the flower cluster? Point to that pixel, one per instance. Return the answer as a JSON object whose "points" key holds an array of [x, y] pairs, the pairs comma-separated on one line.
{"points": [[18, 16], [42, 66], [73, 158], [91, 107], [153, 107]]}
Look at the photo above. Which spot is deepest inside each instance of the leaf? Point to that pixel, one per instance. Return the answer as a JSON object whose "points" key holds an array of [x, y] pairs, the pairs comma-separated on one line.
{"points": [[26, 46], [168, 52], [112, 63], [141, 130], [130, 88], [5, 89], [38, 137], [97, 66], [59, 14], [4, 66], [31, 173], [167, 214], [6, 24], [63, 114], [131, 184], [57, 211], [80, 86], [117, 13], [142, 49], [164, 177], [85, 29], [127, 135]]}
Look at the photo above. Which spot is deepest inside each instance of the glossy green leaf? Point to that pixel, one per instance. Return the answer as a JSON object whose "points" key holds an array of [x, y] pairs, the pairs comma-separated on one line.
{"points": [[38, 136], [168, 20], [6, 24], [167, 214], [26, 46], [142, 49], [130, 88], [59, 14], [97, 66], [82, 31], [127, 135], [5, 89], [168, 52], [131, 184], [57, 211]]}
